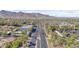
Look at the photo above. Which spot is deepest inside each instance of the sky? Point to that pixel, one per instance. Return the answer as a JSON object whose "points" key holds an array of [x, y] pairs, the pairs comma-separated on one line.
{"points": [[57, 13], [59, 5], [39, 4]]}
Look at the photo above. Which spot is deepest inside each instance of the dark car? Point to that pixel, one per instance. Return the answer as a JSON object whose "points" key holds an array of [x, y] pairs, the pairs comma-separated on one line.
{"points": [[33, 30], [68, 35], [30, 34], [31, 44]]}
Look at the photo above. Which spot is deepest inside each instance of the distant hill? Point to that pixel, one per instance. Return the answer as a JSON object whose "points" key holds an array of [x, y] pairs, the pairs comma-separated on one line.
{"points": [[22, 15]]}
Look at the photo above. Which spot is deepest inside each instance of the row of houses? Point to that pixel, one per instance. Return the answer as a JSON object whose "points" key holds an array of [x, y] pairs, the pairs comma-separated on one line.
{"points": [[60, 24], [19, 31]]}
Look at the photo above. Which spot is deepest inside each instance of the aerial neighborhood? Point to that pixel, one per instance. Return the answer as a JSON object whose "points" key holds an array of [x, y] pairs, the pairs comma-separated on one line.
{"points": [[36, 30]]}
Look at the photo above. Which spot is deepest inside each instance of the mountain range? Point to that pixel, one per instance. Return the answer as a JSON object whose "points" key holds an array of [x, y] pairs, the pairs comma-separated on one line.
{"points": [[22, 15]]}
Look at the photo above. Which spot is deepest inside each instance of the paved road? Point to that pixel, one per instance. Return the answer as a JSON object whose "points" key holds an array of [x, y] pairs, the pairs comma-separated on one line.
{"points": [[33, 39], [38, 43], [41, 42]]}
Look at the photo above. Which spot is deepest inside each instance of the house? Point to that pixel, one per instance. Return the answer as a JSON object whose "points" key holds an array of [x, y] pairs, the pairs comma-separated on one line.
{"points": [[18, 32], [77, 39], [26, 27], [66, 24]]}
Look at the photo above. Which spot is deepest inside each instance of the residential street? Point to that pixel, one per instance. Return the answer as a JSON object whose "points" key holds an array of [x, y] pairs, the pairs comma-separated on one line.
{"points": [[41, 41]]}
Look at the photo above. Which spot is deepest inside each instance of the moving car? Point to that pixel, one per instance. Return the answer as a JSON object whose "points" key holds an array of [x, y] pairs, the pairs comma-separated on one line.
{"points": [[31, 44]]}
